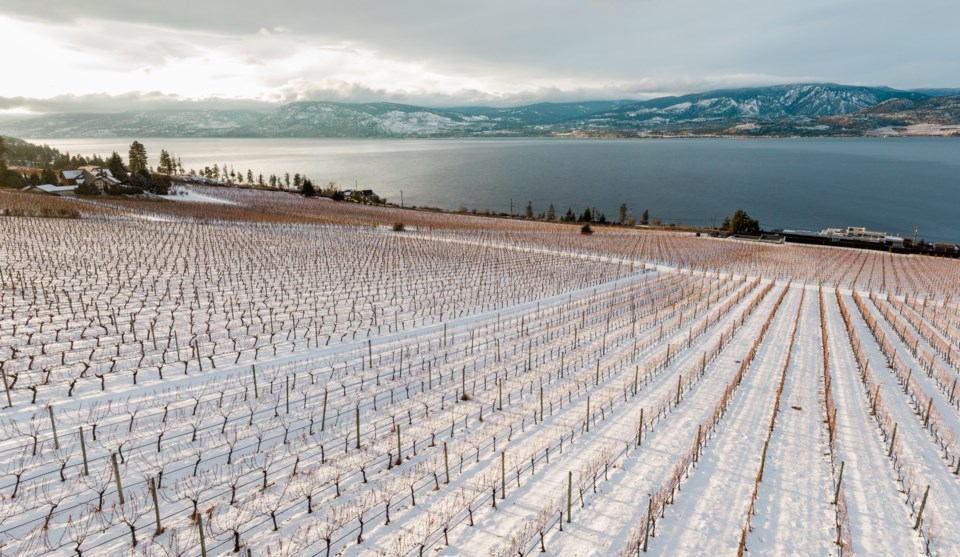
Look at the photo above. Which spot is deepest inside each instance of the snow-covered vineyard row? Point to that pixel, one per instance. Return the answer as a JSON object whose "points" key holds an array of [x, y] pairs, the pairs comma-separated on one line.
{"points": [[175, 387]]}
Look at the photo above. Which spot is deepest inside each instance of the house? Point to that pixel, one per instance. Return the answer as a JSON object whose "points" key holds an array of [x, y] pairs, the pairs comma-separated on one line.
{"points": [[69, 177], [862, 234], [95, 175], [50, 189], [856, 232], [99, 177]]}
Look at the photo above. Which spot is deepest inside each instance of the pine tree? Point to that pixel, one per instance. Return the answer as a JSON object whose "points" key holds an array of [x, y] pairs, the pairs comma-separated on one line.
{"points": [[48, 176], [138, 162], [165, 162], [551, 213], [529, 212], [308, 190], [116, 167], [586, 215], [623, 213], [645, 218], [249, 176], [741, 223], [569, 216], [286, 179]]}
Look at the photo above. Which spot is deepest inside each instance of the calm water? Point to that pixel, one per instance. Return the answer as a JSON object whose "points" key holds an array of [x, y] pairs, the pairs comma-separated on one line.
{"points": [[883, 184]]}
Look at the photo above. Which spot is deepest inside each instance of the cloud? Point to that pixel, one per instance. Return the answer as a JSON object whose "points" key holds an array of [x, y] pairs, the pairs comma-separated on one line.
{"points": [[446, 53], [133, 101]]}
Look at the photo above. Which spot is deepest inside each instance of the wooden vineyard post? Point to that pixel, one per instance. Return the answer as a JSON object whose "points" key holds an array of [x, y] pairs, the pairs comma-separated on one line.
{"points": [[156, 506], [640, 429], [569, 495], [53, 426], [446, 463], [83, 451], [399, 450], [256, 392], [116, 474], [323, 416], [287, 381], [836, 493], [503, 475], [370, 353], [541, 404], [696, 452], [893, 440], [203, 541], [358, 426], [588, 414], [646, 524], [923, 505]]}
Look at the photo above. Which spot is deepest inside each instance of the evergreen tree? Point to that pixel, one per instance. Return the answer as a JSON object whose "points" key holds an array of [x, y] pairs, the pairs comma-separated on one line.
{"points": [[166, 165], [551, 213], [741, 223], [623, 213], [116, 167], [297, 181], [600, 218], [138, 163], [529, 212], [586, 215], [249, 176], [645, 218], [286, 179], [569, 216], [48, 176], [308, 190]]}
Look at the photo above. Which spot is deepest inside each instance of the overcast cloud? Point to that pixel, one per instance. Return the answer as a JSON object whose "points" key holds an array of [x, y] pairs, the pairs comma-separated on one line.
{"points": [[111, 55]]}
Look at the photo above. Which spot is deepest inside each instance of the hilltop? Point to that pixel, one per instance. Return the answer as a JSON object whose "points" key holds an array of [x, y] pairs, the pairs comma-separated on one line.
{"points": [[800, 109]]}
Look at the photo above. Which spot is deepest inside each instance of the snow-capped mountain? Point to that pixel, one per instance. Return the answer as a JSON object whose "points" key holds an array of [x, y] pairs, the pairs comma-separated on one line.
{"points": [[806, 109], [725, 108]]}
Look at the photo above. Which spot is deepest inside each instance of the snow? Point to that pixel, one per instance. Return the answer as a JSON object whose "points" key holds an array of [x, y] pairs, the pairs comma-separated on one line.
{"points": [[182, 193], [361, 322]]}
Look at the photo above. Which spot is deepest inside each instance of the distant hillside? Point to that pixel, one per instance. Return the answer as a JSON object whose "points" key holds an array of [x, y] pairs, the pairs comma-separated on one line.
{"points": [[804, 109], [159, 123], [326, 119], [932, 116], [791, 106]]}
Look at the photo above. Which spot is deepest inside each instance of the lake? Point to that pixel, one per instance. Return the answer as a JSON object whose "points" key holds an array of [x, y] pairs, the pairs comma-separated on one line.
{"points": [[888, 184]]}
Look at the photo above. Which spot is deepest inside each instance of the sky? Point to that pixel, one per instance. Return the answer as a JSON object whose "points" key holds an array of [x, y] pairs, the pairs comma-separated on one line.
{"points": [[115, 55]]}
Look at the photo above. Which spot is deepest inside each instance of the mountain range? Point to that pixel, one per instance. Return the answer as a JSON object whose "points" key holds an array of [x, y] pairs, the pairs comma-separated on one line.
{"points": [[801, 109]]}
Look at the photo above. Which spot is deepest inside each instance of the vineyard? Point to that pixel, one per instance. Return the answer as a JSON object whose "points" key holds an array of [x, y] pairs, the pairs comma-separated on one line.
{"points": [[263, 374]]}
